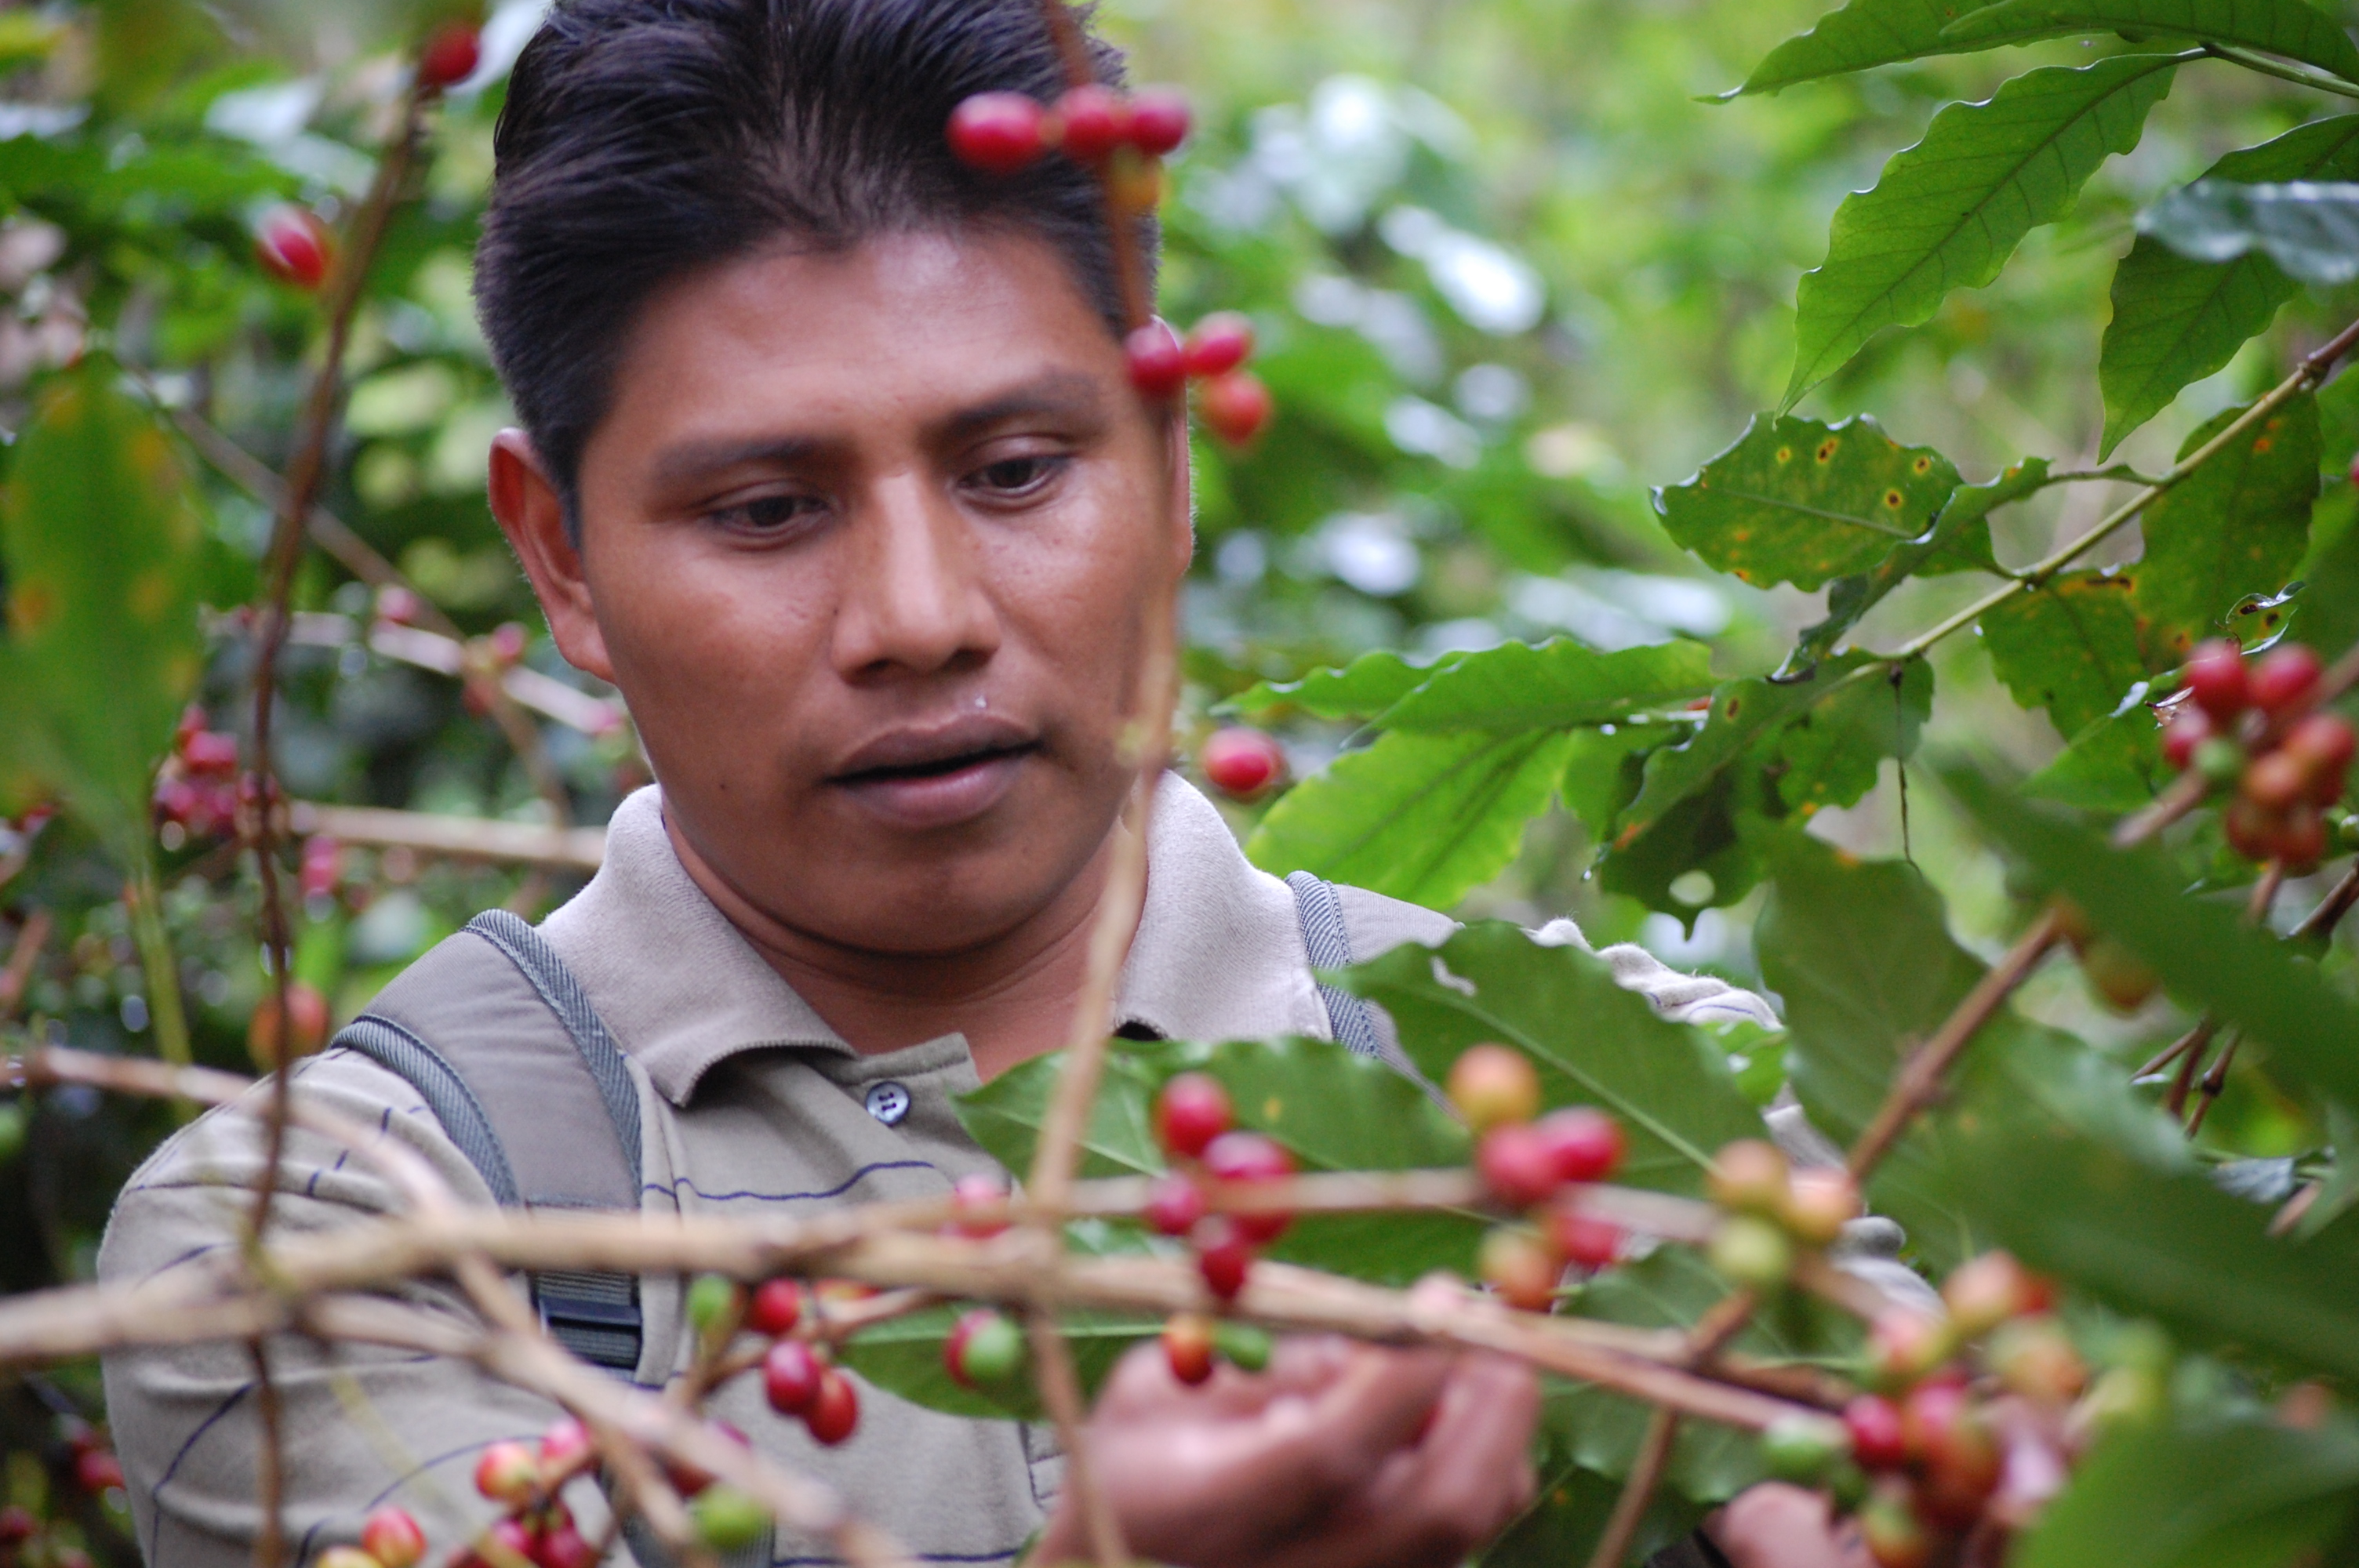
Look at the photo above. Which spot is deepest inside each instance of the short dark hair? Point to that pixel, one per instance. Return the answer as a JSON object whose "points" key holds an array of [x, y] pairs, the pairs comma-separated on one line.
{"points": [[643, 140]]}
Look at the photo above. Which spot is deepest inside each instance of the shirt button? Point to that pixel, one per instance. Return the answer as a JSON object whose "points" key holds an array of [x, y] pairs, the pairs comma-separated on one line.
{"points": [[888, 1102]]}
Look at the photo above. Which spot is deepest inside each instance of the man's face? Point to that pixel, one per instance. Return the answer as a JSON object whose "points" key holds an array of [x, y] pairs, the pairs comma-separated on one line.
{"points": [[868, 541]]}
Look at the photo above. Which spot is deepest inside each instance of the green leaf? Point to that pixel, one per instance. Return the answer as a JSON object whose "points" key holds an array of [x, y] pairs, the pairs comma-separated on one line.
{"points": [[1594, 1043], [101, 530], [2168, 1245], [1796, 501], [1832, 752], [1719, 832], [905, 1356], [1949, 211], [2070, 646], [1556, 685], [2288, 27], [1422, 818], [2311, 230], [2237, 525], [1366, 687], [2114, 763], [1960, 542], [2177, 319], [1564, 1523], [1602, 773], [2208, 957], [2239, 1493], [1867, 33]]}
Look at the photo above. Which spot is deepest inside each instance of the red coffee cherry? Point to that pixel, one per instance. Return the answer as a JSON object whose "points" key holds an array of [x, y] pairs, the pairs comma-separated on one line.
{"points": [[1876, 1438], [393, 1538], [1158, 366], [1242, 763], [2275, 782], [980, 1199], [776, 1306], [2285, 679], [1192, 1110], [1586, 1240], [2188, 731], [2250, 829], [308, 1030], [1583, 1143], [97, 1470], [1092, 122], [1188, 1347], [209, 753], [1158, 120], [1236, 406], [1950, 1440], [835, 1413], [1985, 1292], [323, 867], [17, 1523], [999, 133], [1514, 1263], [1224, 1256], [1174, 1204], [1250, 1157], [564, 1447], [294, 246], [1517, 1164], [2216, 679], [1220, 343], [449, 56], [1494, 1086], [565, 1547], [2323, 743], [791, 1375], [508, 1473], [2301, 839]]}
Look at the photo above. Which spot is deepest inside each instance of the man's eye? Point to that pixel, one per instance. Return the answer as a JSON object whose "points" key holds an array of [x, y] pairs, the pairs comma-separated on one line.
{"points": [[1017, 476], [767, 513]]}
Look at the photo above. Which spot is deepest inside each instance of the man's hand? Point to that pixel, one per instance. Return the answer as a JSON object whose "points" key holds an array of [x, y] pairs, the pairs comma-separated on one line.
{"points": [[1339, 1455], [1778, 1526]]}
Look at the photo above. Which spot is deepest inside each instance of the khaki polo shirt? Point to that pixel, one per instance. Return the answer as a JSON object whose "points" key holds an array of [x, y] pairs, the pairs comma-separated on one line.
{"points": [[750, 1104]]}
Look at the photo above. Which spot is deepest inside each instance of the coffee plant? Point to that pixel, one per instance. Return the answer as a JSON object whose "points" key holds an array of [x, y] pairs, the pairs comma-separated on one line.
{"points": [[272, 721]]}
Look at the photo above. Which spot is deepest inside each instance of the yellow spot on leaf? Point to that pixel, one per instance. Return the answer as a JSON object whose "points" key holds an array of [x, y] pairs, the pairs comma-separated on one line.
{"points": [[31, 607], [1827, 449], [1270, 1108], [1785, 454], [1924, 464], [150, 596], [1893, 498]]}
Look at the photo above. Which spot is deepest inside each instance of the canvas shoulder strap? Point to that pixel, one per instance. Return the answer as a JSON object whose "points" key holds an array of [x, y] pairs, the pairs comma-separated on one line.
{"points": [[499, 1039], [1329, 942]]}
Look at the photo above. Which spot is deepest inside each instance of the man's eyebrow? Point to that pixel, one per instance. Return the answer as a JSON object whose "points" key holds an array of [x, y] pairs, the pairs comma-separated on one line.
{"points": [[690, 461], [1064, 394]]}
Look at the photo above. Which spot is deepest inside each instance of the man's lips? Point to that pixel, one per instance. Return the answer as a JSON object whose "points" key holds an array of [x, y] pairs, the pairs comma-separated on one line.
{"points": [[935, 775]]}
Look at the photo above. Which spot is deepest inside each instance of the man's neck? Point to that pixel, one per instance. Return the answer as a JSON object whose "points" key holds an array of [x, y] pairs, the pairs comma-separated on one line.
{"points": [[1012, 997]]}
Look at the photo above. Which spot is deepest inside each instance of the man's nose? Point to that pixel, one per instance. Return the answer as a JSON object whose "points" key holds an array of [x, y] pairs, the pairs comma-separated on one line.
{"points": [[913, 596]]}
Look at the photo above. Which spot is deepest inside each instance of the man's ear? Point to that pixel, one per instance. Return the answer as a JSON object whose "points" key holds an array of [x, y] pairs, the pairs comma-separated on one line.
{"points": [[531, 512], [1181, 504]]}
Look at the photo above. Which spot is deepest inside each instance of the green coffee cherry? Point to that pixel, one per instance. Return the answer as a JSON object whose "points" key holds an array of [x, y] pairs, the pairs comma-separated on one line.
{"points": [[1752, 1251], [994, 1353], [708, 1299], [1804, 1449], [1242, 1346], [727, 1520], [2221, 761]]}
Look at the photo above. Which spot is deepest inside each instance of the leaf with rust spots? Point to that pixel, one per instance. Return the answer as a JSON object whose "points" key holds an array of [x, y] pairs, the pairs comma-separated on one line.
{"points": [[2239, 525], [1797, 501], [2071, 647]]}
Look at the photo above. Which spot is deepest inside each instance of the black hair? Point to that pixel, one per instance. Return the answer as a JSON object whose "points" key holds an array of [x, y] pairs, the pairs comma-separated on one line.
{"points": [[643, 140]]}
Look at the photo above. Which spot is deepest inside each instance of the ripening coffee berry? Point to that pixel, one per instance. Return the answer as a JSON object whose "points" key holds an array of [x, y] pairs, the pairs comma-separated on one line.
{"points": [[1220, 343], [351, 1557], [1889, 1528], [1514, 1263], [984, 1350], [1158, 364], [1985, 1292], [980, 1199], [307, 1030], [999, 133], [508, 1473], [1752, 1251], [727, 1520], [565, 1447], [2251, 831], [1224, 1256], [1242, 763], [208, 754], [1959, 1458], [565, 1547], [1251, 1157], [322, 868], [1158, 120], [293, 246], [2033, 1357], [2118, 976], [1494, 1086], [1802, 1448], [1192, 1110], [1904, 1345], [2216, 679], [1819, 1204], [2284, 679], [2220, 761], [1583, 1143], [776, 1307], [2188, 731], [392, 1537], [1092, 121], [1876, 1438], [1174, 1204], [835, 1413], [1517, 1165], [18, 1524], [2276, 781], [1236, 406], [1584, 1238], [1749, 1177], [2301, 839], [791, 1374], [1188, 1346], [97, 1470], [2323, 744], [449, 56]]}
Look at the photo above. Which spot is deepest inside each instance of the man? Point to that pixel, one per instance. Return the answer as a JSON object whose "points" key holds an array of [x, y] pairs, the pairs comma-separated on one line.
{"points": [[831, 464]]}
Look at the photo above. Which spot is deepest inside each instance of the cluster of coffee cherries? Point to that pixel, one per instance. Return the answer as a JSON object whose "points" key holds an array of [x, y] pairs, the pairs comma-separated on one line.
{"points": [[196, 793], [1242, 763], [535, 1528], [1193, 1122], [798, 1377], [1976, 1418], [29, 1540], [390, 1538], [1233, 403], [2247, 726], [1772, 1214], [1538, 1164]]}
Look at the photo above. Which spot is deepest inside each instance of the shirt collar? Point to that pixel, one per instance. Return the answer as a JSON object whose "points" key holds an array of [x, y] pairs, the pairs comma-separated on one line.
{"points": [[1218, 954]]}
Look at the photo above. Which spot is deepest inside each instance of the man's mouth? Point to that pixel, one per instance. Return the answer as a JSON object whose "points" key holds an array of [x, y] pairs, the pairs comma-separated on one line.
{"points": [[937, 776]]}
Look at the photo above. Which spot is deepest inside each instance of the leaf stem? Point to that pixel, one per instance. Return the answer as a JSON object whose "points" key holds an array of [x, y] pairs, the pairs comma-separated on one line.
{"points": [[2283, 71]]}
